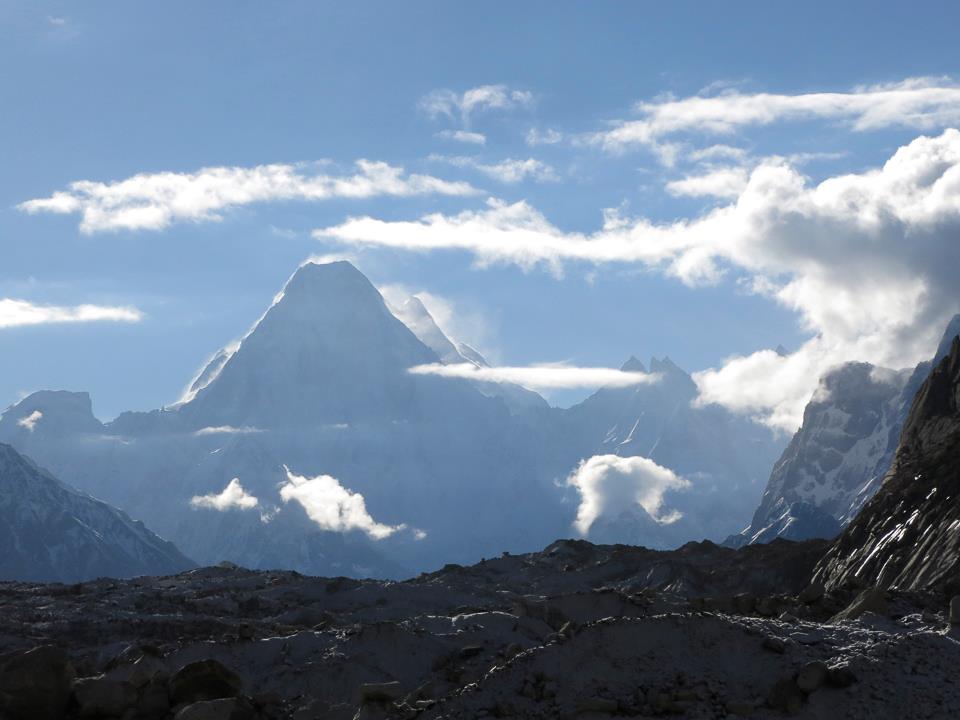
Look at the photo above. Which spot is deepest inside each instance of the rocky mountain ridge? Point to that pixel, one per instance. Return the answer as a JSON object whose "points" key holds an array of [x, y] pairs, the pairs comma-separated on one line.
{"points": [[51, 532]]}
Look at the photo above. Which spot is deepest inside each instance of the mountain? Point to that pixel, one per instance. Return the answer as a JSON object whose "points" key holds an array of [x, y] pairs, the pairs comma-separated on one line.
{"points": [[725, 457], [397, 472], [908, 535], [51, 532], [309, 445], [415, 316], [837, 459]]}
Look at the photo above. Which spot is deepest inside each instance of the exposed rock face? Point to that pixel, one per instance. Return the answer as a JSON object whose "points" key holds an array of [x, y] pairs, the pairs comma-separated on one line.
{"points": [[49, 531], [576, 630], [908, 535], [838, 458]]}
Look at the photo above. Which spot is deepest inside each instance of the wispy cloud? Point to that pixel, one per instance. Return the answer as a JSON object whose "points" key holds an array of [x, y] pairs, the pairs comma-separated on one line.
{"points": [[227, 430], [17, 313], [720, 182], [867, 261], [461, 106], [537, 137], [609, 484], [464, 136], [542, 377], [510, 171], [921, 103], [155, 201], [332, 506], [232, 497]]}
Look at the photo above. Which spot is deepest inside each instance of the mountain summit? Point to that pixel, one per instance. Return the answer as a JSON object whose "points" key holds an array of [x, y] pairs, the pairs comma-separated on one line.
{"points": [[327, 351]]}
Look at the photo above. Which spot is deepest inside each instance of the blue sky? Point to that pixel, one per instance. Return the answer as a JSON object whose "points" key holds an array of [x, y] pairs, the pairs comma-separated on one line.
{"points": [[105, 91]]}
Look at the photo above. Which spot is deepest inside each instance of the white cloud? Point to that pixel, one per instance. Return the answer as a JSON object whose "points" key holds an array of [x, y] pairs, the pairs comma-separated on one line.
{"points": [[460, 106], [154, 201], [30, 421], [17, 313], [509, 171], [546, 137], [464, 136], [719, 182], [920, 103], [543, 377], [718, 152], [232, 497], [227, 430], [608, 484], [333, 507], [868, 262]]}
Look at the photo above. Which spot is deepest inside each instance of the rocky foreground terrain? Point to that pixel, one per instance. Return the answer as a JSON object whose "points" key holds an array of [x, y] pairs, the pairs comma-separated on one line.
{"points": [[575, 631]]}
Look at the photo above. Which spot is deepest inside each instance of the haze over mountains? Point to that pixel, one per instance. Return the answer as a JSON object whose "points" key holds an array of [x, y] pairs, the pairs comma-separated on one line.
{"points": [[346, 463]]}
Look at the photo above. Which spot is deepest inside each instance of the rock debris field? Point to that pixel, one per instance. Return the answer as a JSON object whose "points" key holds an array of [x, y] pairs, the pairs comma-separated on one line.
{"points": [[574, 631]]}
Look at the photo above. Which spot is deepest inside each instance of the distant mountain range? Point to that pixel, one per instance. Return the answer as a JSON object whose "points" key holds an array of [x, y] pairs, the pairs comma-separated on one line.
{"points": [[837, 460], [346, 464], [51, 532]]}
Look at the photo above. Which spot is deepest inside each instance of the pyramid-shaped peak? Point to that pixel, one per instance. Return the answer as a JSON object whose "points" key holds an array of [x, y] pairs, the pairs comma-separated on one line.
{"points": [[339, 280], [633, 365]]}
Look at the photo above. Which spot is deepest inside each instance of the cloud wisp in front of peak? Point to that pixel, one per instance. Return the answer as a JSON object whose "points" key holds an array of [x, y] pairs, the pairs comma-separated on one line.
{"points": [[332, 506], [918, 103], [154, 201], [609, 484], [20, 313], [462, 106], [232, 497], [556, 376], [866, 260]]}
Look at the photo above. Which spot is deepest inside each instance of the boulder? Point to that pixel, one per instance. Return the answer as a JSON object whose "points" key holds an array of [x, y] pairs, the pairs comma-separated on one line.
{"points": [[870, 600], [101, 696], [840, 676], [380, 692], [35, 684], [222, 709], [785, 696], [812, 676], [811, 593], [955, 610], [204, 680]]}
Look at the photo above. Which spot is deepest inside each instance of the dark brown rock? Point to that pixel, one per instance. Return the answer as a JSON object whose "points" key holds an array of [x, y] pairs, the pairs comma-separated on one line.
{"points": [[35, 684], [204, 680]]}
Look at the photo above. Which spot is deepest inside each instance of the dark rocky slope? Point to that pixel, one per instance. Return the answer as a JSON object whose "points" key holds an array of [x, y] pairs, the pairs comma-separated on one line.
{"points": [[908, 535], [575, 631]]}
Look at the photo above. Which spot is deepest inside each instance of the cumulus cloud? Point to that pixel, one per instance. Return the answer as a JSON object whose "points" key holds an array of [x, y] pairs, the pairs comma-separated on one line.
{"points": [[17, 313], [867, 261], [233, 497], [30, 421], [920, 103], [720, 182], [510, 171], [461, 106], [333, 507], [153, 201], [464, 136], [608, 484], [543, 377]]}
